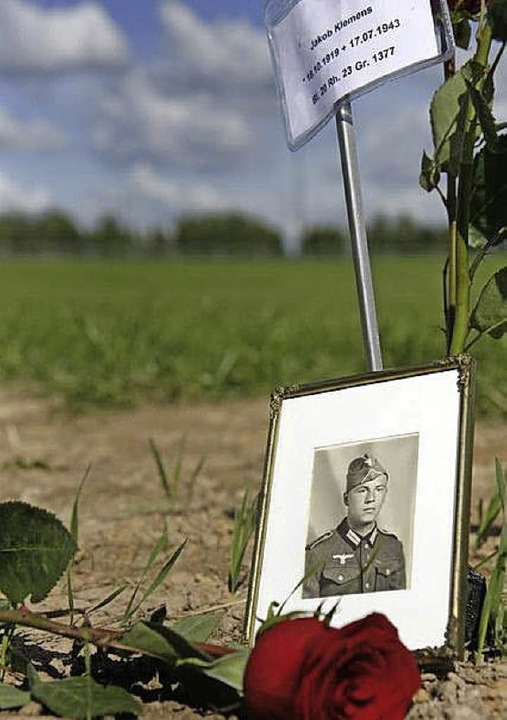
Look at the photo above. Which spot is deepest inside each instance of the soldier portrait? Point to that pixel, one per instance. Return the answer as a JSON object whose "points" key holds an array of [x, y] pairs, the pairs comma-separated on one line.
{"points": [[358, 554], [365, 503]]}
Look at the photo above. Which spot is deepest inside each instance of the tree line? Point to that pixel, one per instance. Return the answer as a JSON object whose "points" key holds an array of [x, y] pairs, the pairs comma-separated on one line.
{"points": [[213, 235]]}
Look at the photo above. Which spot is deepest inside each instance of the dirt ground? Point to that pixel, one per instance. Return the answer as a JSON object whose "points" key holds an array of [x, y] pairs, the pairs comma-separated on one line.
{"points": [[44, 454]]}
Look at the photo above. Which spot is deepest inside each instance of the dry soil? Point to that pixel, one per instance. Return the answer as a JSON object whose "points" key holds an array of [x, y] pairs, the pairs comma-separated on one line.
{"points": [[44, 453]]}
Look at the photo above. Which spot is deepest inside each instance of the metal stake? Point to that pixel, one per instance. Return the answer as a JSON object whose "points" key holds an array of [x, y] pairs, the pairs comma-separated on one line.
{"points": [[364, 283]]}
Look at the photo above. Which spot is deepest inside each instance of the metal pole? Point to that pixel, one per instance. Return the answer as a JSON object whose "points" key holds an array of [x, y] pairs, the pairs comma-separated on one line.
{"points": [[364, 283]]}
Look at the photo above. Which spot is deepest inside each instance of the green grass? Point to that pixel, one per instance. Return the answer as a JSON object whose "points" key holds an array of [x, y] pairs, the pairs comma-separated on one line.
{"points": [[116, 333]]}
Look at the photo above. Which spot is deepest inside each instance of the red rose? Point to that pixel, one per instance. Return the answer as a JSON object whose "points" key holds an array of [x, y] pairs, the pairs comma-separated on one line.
{"points": [[302, 670]]}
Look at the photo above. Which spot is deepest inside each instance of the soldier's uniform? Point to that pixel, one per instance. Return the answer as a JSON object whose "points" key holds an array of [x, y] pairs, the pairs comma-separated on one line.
{"points": [[345, 563]]}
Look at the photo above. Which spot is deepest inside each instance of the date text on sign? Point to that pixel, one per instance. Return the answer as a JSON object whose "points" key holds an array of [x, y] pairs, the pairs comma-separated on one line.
{"points": [[325, 51]]}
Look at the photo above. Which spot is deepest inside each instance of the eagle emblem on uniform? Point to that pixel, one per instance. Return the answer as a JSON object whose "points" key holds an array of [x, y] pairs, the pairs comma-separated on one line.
{"points": [[343, 558]]}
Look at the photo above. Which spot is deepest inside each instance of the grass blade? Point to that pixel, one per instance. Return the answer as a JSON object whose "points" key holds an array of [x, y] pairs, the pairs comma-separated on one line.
{"points": [[192, 481], [500, 482], [160, 576], [492, 610], [74, 532], [70, 597], [74, 522], [108, 599], [245, 520], [177, 472], [161, 468], [171, 483], [487, 519], [159, 546]]}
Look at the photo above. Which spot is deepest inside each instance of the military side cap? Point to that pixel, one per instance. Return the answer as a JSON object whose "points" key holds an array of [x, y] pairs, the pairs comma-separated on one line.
{"points": [[363, 469]]}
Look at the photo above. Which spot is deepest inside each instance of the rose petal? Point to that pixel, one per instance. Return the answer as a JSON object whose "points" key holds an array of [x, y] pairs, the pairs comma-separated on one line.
{"points": [[368, 680], [274, 667]]}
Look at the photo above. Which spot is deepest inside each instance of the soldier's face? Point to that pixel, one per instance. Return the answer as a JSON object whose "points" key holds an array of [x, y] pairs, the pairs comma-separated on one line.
{"points": [[365, 502]]}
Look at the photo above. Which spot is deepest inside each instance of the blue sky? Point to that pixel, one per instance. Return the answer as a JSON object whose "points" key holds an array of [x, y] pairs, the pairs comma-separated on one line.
{"points": [[151, 109]]}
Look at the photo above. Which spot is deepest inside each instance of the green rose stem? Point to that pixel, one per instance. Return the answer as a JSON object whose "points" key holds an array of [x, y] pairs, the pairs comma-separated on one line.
{"points": [[101, 637], [458, 208], [450, 203]]}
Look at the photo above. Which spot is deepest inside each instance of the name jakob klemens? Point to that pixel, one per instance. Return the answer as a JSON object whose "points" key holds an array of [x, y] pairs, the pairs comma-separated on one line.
{"points": [[318, 39]]}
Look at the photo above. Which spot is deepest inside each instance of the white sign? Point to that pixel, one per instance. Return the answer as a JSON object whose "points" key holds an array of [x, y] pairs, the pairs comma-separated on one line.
{"points": [[325, 51]]}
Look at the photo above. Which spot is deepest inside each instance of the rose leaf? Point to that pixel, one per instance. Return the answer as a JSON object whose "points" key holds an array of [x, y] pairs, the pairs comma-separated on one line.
{"points": [[497, 16], [490, 312], [159, 641], [198, 628], [430, 175], [229, 669], [462, 31], [488, 203], [35, 550], [447, 115], [11, 697], [82, 697]]}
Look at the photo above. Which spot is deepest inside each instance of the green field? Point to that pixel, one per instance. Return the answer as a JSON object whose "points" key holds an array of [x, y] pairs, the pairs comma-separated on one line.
{"points": [[117, 333]]}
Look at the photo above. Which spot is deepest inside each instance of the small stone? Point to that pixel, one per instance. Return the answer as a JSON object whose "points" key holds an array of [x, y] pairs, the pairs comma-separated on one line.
{"points": [[459, 682], [32, 709], [421, 696], [428, 677], [462, 712]]}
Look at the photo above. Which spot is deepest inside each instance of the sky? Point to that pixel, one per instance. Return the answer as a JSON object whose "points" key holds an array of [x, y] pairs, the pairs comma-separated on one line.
{"points": [[153, 109]]}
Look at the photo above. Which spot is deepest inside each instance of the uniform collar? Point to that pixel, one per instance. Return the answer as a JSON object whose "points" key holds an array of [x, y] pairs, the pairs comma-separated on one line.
{"points": [[354, 538]]}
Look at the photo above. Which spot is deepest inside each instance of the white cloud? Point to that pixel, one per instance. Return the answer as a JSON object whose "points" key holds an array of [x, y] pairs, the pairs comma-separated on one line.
{"points": [[500, 106], [407, 200], [391, 145], [34, 40], [14, 197], [177, 196], [139, 123], [228, 52], [204, 104], [193, 126], [29, 135]]}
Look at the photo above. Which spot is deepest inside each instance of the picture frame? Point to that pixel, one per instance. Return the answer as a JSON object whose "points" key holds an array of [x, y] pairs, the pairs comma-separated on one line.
{"points": [[365, 503]]}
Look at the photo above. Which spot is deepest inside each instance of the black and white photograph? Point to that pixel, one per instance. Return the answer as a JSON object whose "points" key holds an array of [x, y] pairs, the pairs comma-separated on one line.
{"points": [[365, 502], [359, 536]]}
